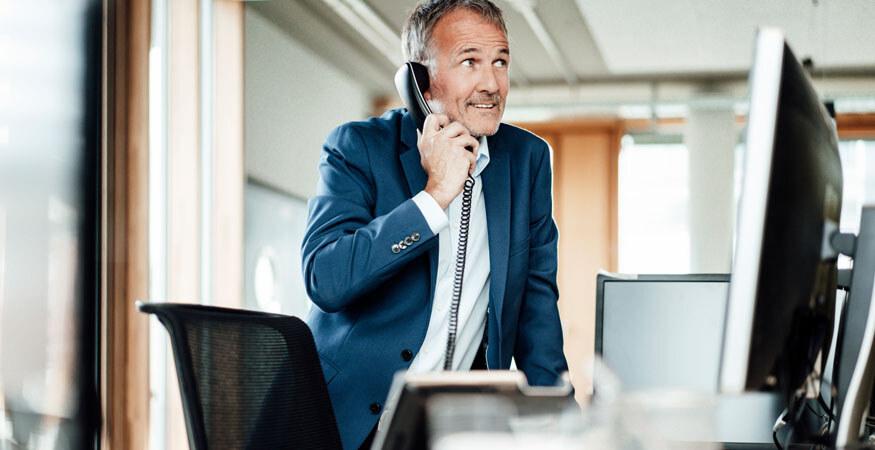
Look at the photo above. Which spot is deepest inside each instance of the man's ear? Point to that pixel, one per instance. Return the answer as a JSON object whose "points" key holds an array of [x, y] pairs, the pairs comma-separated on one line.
{"points": [[427, 95]]}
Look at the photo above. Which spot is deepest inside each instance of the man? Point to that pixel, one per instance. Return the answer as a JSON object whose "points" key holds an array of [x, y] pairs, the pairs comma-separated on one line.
{"points": [[379, 251]]}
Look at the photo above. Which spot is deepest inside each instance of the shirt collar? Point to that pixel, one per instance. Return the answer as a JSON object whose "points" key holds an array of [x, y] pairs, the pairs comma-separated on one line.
{"points": [[482, 157]]}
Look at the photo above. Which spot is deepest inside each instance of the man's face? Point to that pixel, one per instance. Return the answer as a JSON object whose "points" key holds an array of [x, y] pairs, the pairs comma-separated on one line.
{"points": [[470, 78]]}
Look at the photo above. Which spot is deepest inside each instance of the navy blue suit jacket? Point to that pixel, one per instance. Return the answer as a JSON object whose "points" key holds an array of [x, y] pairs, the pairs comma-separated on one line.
{"points": [[374, 304]]}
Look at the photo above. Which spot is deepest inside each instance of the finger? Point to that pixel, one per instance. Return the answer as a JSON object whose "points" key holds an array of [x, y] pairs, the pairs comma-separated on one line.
{"points": [[434, 122], [470, 156], [468, 142], [455, 129]]}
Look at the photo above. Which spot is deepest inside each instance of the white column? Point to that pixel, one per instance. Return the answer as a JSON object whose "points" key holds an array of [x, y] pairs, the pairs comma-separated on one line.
{"points": [[711, 135]]}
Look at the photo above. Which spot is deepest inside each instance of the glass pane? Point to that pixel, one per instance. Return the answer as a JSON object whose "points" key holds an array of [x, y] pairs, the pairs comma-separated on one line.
{"points": [[654, 235], [274, 230]]}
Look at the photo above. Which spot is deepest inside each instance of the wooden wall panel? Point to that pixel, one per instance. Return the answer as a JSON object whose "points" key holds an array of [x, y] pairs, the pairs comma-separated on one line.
{"points": [[585, 227], [856, 126], [585, 156], [124, 346]]}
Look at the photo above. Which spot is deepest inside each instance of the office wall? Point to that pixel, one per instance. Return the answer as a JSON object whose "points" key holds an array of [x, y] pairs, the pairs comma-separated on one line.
{"points": [[292, 100]]}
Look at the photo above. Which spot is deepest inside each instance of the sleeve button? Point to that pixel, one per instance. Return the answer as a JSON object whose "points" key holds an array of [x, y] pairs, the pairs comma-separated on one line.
{"points": [[408, 240], [414, 237], [396, 248]]}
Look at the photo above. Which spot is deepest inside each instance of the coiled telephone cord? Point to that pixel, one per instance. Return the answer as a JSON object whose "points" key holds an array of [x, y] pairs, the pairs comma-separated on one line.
{"points": [[461, 253]]}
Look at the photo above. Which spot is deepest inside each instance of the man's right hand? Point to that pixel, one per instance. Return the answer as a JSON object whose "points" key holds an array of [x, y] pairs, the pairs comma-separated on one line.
{"points": [[444, 157]]}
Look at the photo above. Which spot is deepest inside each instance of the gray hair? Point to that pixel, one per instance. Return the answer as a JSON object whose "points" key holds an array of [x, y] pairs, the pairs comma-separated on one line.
{"points": [[417, 31]]}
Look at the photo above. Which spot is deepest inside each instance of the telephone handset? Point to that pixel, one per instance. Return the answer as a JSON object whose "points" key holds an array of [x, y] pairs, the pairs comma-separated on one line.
{"points": [[411, 80]]}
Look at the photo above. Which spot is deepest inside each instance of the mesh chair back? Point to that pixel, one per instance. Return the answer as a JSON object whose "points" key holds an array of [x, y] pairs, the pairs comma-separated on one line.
{"points": [[249, 380]]}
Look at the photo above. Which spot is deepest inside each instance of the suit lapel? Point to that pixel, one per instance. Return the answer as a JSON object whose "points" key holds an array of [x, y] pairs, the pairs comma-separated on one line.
{"points": [[496, 194], [416, 179]]}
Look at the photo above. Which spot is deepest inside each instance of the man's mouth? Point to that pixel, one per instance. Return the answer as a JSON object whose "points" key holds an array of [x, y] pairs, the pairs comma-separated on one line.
{"points": [[483, 105]]}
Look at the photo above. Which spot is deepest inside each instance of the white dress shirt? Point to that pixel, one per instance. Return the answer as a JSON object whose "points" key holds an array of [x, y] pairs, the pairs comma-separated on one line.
{"points": [[475, 287]]}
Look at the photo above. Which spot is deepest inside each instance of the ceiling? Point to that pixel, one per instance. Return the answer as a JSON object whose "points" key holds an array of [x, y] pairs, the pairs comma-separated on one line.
{"points": [[592, 50], [717, 36]]}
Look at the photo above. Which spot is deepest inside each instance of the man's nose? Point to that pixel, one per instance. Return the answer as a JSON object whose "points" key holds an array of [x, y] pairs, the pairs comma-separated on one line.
{"points": [[487, 81]]}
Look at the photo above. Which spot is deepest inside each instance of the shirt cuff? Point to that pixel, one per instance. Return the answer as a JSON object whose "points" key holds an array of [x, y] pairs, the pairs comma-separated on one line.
{"points": [[435, 216]]}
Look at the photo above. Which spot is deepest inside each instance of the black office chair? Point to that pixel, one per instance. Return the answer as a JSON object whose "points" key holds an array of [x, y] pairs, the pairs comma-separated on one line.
{"points": [[249, 380]]}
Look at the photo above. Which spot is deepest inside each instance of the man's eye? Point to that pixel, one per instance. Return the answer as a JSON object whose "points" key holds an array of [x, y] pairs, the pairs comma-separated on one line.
{"points": [[468, 62], [501, 63]]}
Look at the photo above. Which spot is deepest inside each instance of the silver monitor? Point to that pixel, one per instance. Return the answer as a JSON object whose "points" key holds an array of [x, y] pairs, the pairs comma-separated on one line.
{"points": [[662, 331], [658, 332]]}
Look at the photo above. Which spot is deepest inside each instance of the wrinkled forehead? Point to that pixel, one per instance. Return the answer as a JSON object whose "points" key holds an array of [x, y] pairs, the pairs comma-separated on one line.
{"points": [[466, 31]]}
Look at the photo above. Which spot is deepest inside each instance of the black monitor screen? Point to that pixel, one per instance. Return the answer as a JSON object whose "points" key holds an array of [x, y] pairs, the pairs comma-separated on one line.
{"points": [[782, 295]]}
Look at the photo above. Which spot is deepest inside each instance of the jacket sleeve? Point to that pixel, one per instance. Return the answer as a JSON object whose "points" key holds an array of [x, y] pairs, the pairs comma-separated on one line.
{"points": [[538, 349], [347, 251]]}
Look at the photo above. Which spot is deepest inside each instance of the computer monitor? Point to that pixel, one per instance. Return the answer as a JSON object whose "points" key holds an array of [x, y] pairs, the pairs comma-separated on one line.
{"points": [[404, 424], [656, 331], [50, 224], [665, 331], [780, 311]]}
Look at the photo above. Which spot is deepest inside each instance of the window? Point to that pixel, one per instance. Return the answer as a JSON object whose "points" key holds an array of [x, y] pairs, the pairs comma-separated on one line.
{"points": [[653, 196], [858, 190], [273, 232], [654, 200], [858, 170]]}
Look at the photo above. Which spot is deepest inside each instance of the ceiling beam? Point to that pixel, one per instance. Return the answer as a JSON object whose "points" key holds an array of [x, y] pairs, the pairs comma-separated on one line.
{"points": [[367, 13], [368, 24], [304, 25], [613, 95], [527, 10], [518, 76]]}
